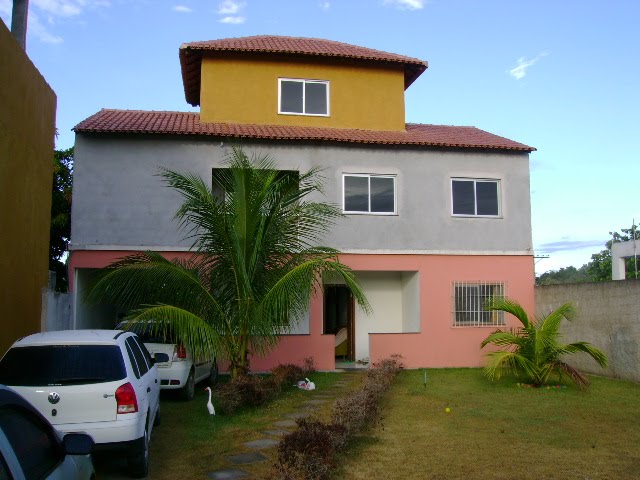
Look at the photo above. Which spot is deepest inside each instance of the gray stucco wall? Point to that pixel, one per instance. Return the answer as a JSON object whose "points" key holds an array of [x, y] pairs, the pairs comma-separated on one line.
{"points": [[119, 202], [608, 317]]}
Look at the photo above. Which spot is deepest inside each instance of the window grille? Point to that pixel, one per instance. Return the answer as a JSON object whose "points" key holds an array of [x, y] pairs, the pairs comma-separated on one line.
{"points": [[469, 300]]}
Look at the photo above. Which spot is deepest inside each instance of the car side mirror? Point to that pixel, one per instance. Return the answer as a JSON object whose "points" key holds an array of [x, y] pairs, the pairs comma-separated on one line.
{"points": [[160, 357], [77, 444]]}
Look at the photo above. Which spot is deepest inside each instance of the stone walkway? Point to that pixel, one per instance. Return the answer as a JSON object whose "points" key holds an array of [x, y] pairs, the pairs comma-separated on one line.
{"points": [[271, 437]]}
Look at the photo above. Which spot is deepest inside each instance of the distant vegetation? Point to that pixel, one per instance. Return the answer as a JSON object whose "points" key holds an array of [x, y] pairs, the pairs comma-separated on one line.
{"points": [[598, 269]]}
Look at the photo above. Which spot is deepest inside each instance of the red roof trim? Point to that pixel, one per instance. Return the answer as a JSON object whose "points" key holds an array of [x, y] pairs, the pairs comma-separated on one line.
{"points": [[191, 56], [188, 123]]}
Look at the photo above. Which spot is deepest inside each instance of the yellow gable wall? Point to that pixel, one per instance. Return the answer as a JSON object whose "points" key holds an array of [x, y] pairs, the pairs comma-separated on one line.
{"points": [[27, 127], [246, 91]]}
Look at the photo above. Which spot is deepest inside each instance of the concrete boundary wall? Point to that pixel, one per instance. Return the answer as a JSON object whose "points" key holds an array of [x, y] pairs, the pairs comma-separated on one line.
{"points": [[608, 318]]}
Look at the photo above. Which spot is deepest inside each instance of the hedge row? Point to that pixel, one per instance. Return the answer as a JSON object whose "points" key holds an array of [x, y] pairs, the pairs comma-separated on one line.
{"points": [[309, 452], [256, 390]]}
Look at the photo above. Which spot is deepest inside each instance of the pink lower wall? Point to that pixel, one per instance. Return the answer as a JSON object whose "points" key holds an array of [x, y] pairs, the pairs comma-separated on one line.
{"points": [[438, 344]]}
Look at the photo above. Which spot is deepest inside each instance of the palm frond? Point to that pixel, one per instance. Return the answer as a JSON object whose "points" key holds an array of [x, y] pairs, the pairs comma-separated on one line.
{"points": [[148, 277], [500, 362], [551, 322], [509, 306], [598, 355], [192, 330], [574, 375]]}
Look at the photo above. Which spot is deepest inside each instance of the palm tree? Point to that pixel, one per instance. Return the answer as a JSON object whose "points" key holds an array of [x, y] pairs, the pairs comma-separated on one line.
{"points": [[254, 263], [533, 350]]}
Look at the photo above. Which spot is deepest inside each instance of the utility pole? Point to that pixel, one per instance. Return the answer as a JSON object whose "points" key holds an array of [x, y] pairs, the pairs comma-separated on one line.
{"points": [[19, 22]]}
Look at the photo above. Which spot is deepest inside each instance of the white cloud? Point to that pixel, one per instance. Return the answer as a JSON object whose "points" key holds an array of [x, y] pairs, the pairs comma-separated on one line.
{"points": [[521, 69], [233, 20], [230, 7], [60, 8], [44, 15], [406, 4], [36, 28], [324, 5], [182, 9]]}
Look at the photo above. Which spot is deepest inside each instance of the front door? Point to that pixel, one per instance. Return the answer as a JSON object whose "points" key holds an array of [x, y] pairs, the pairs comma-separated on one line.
{"points": [[339, 319]]}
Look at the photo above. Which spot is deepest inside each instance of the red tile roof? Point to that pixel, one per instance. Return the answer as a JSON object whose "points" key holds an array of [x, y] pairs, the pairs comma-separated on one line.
{"points": [[191, 56], [188, 123]]}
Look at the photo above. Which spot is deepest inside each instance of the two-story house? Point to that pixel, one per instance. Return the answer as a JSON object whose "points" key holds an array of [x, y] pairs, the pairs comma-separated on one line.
{"points": [[437, 218]]}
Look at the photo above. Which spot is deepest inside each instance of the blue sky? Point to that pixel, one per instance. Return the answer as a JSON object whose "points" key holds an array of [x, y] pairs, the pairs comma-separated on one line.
{"points": [[558, 75]]}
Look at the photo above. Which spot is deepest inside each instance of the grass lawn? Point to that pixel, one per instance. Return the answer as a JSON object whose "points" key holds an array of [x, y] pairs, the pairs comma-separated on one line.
{"points": [[190, 443], [496, 430]]}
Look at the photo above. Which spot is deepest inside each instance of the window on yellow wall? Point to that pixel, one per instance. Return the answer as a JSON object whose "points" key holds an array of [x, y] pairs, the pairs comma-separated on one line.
{"points": [[303, 97]]}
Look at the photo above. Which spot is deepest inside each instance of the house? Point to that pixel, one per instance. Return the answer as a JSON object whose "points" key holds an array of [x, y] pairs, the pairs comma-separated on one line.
{"points": [[437, 217], [27, 129]]}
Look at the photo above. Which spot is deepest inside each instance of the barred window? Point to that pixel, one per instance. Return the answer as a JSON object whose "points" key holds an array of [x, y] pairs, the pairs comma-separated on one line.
{"points": [[469, 300]]}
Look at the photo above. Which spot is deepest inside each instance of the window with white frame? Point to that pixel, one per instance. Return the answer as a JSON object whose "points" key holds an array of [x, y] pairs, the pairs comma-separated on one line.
{"points": [[475, 197], [303, 97], [366, 193], [469, 301]]}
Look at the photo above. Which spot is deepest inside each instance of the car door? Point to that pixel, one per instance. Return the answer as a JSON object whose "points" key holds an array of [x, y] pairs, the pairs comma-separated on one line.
{"points": [[35, 446], [140, 370], [151, 376]]}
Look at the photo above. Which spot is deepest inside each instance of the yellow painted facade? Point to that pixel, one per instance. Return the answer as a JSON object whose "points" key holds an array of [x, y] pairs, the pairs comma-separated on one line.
{"points": [[245, 91], [27, 127]]}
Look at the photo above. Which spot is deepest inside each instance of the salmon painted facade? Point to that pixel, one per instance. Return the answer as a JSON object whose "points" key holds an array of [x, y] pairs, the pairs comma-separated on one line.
{"points": [[437, 218]]}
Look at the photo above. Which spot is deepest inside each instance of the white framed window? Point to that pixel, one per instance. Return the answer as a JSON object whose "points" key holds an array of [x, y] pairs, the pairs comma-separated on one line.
{"points": [[475, 197], [303, 97], [369, 194], [469, 300]]}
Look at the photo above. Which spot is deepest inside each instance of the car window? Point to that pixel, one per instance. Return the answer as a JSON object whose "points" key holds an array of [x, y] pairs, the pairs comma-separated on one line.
{"points": [[145, 352], [62, 365], [132, 359], [33, 442], [140, 360]]}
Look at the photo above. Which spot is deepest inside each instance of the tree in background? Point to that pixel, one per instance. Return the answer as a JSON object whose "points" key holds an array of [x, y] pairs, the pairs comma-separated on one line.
{"points": [[61, 215], [598, 269], [255, 261]]}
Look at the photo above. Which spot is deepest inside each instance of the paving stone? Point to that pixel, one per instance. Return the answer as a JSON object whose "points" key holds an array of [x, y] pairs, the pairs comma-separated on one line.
{"points": [[228, 474], [285, 423], [248, 457], [315, 402], [276, 433], [261, 443], [322, 396], [296, 415]]}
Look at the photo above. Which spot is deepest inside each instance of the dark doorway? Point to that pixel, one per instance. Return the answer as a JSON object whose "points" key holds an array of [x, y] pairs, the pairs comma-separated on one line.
{"points": [[338, 319]]}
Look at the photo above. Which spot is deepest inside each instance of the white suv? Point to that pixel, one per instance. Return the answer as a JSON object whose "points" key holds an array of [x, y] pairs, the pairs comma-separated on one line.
{"points": [[100, 382], [182, 371]]}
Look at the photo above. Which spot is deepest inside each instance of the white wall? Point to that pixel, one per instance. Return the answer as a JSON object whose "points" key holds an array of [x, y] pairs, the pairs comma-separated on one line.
{"points": [[384, 291], [410, 302]]}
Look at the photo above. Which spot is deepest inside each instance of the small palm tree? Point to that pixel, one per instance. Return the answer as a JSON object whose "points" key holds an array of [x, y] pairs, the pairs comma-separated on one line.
{"points": [[254, 267], [533, 350]]}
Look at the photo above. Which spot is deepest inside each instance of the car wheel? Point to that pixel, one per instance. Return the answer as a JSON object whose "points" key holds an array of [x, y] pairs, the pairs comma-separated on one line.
{"points": [[158, 419], [213, 376], [189, 389], [139, 461]]}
